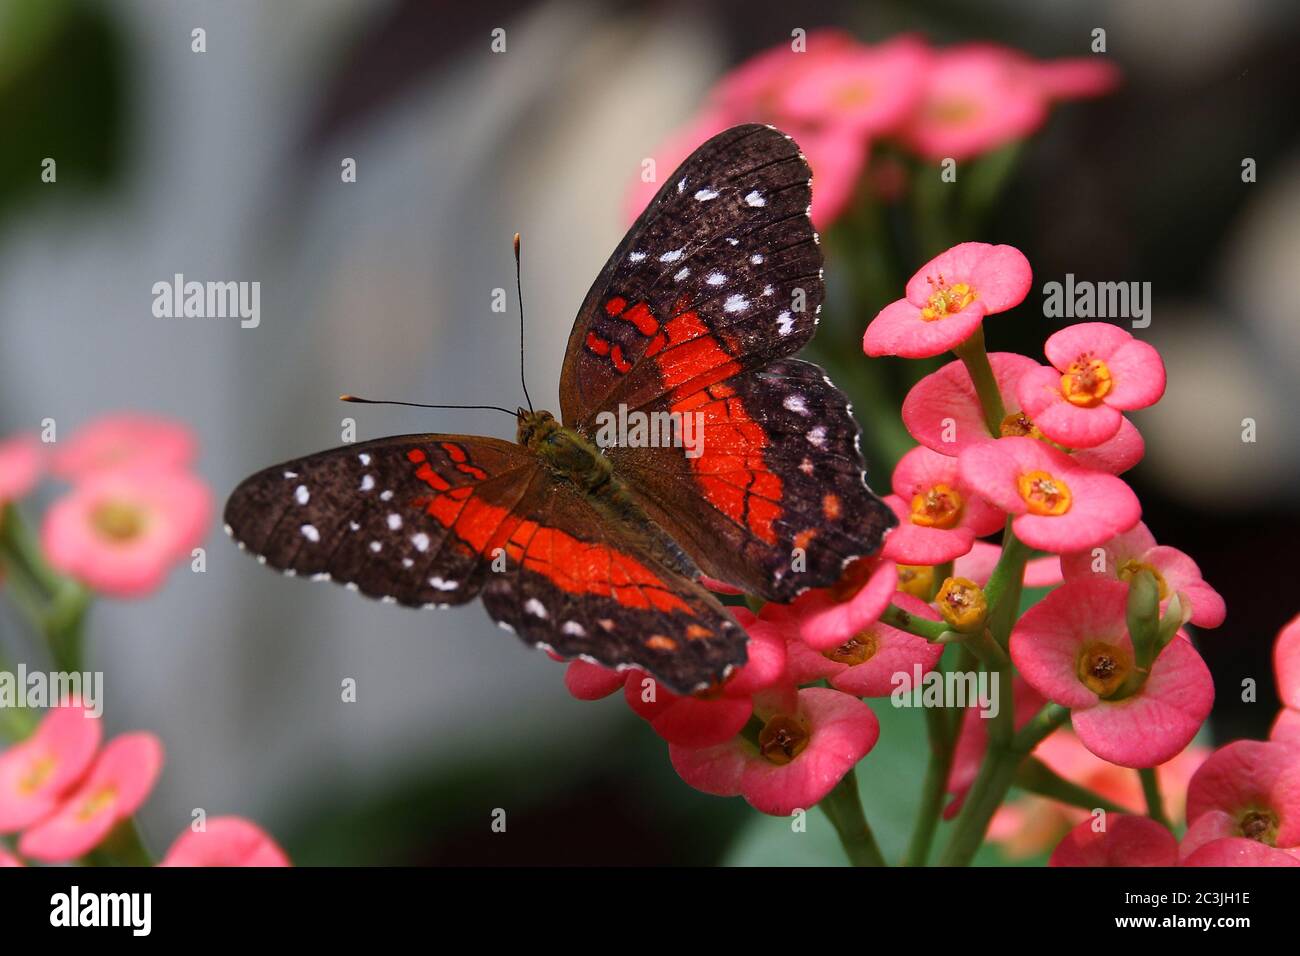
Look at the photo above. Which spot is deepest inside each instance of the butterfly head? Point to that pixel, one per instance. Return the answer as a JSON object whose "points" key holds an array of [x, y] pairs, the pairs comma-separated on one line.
{"points": [[534, 428]]}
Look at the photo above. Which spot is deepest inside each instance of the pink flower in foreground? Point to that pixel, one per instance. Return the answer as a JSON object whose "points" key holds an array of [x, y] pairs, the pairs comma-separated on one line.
{"points": [[22, 459], [1100, 372], [868, 90], [1239, 851], [977, 97], [703, 720], [942, 412], [801, 754], [1058, 505], [227, 841], [8, 859], [872, 662], [939, 516], [825, 618], [118, 783], [36, 773], [1286, 667], [1136, 550], [120, 532], [1126, 841], [125, 440], [948, 298], [1073, 647], [1249, 789]]}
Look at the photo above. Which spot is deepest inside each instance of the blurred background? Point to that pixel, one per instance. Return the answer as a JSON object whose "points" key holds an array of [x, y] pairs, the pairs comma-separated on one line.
{"points": [[226, 165]]}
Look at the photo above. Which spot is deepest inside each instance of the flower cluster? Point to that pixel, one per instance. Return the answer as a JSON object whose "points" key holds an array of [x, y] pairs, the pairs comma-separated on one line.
{"points": [[840, 98], [67, 796], [1033, 452]]}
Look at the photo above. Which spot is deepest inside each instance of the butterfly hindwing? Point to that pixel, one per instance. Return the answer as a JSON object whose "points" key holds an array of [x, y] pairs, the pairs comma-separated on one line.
{"points": [[404, 519], [582, 586], [721, 272], [776, 501]]}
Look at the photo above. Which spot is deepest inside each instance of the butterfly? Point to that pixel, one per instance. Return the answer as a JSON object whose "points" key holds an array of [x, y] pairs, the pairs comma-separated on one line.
{"points": [[598, 552]]}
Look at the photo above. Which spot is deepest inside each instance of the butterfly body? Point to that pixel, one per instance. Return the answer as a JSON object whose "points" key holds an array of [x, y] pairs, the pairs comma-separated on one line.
{"points": [[595, 549]]}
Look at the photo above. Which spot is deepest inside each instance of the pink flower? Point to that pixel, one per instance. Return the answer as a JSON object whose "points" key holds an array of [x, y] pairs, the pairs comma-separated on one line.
{"points": [[754, 88], [802, 752], [866, 90], [977, 565], [1286, 666], [1073, 647], [942, 412], [8, 859], [1248, 789], [948, 298], [977, 97], [121, 531], [700, 721], [939, 516], [1136, 550], [827, 617], [837, 158], [1100, 372], [587, 681], [1058, 505], [118, 783], [227, 841], [869, 663], [1125, 841], [125, 440], [35, 774], [22, 458]]}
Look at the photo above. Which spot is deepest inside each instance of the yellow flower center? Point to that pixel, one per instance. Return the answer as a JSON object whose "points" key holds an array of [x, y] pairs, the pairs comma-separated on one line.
{"points": [[916, 579], [946, 300], [782, 739], [118, 521], [962, 604], [1044, 494], [940, 507], [1086, 382], [1259, 825], [1103, 668], [952, 110], [38, 771], [852, 94], [856, 650], [1019, 425], [1132, 566], [97, 803]]}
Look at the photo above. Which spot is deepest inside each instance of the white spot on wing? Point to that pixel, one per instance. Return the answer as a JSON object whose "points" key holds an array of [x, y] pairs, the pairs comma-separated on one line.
{"points": [[300, 495], [756, 259], [635, 256], [682, 273], [735, 303], [367, 482], [394, 521], [704, 195], [421, 541], [441, 585], [795, 403], [290, 474], [817, 436], [755, 198], [784, 323], [715, 278], [672, 256], [386, 496], [310, 533], [365, 458], [535, 607], [574, 628], [376, 547]]}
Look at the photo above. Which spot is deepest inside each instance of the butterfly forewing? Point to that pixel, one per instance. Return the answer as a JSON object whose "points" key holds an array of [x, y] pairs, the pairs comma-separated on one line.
{"points": [[721, 272], [396, 518]]}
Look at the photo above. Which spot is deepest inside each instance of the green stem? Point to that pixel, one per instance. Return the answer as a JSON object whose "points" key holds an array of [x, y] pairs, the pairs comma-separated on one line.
{"points": [[1006, 584], [995, 778], [844, 809], [895, 616], [1036, 777], [939, 729], [973, 355], [123, 847], [1155, 802]]}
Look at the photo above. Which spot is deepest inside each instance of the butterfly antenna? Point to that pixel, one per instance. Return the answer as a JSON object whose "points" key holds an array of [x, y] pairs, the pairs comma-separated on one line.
{"points": [[519, 291], [373, 401]]}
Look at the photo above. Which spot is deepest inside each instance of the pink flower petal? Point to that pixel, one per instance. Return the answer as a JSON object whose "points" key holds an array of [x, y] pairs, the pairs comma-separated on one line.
{"points": [[125, 440], [587, 681], [1116, 455], [824, 623], [915, 544], [1241, 852], [942, 411], [899, 329], [1286, 662], [1097, 339], [22, 459], [1043, 572], [1071, 425], [897, 655], [1127, 841], [1248, 775], [1286, 727], [1138, 376], [689, 721], [716, 770], [226, 841]]}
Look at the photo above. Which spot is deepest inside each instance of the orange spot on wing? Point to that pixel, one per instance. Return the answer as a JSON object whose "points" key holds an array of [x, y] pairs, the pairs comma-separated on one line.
{"points": [[656, 344], [473, 471], [804, 538], [431, 478], [454, 452], [640, 316], [615, 305], [831, 507], [620, 363], [597, 344], [658, 642], [416, 455]]}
